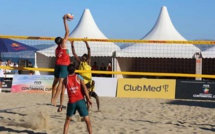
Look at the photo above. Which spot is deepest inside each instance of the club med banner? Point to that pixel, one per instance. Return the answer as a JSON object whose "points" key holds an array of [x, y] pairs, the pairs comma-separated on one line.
{"points": [[32, 83], [191, 89], [146, 88]]}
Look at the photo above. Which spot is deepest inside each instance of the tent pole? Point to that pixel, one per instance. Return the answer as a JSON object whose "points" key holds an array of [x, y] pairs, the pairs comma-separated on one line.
{"points": [[35, 64], [198, 58], [114, 63]]}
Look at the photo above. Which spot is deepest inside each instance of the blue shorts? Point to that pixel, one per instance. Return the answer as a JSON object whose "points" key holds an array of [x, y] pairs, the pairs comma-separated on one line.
{"points": [[1, 79], [80, 106], [60, 71]]}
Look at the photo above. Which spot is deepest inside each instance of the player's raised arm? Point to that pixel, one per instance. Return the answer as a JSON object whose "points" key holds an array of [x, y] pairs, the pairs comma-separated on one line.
{"points": [[73, 52], [88, 51], [66, 36]]}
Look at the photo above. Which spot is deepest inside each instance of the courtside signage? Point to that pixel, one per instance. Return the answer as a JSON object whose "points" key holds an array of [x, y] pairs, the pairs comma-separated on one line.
{"points": [[146, 88], [192, 89], [6, 84], [32, 83]]}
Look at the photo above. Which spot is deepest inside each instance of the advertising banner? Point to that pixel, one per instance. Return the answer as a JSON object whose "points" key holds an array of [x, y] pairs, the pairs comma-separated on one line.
{"points": [[192, 89], [7, 84], [105, 87], [32, 83], [146, 88]]}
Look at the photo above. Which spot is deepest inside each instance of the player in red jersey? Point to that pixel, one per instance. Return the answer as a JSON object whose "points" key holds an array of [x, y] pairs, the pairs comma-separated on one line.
{"points": [[62, 61], [76, 101]]}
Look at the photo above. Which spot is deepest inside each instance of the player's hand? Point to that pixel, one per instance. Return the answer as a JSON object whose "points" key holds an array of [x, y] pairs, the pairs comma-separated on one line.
{"points": [[65, 16], [84, 40], [89, 102], [60, 109]]}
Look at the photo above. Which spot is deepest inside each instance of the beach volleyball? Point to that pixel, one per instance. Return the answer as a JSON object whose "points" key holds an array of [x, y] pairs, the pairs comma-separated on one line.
{"points": [[70, 17]]}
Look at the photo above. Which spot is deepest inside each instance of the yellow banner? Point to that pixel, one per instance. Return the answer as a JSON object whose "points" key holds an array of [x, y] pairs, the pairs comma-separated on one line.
{"points": [[146, 88]]}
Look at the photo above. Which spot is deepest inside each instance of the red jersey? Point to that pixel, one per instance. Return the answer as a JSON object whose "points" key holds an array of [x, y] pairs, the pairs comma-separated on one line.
{"points": [[74, 89], [62, 56]]}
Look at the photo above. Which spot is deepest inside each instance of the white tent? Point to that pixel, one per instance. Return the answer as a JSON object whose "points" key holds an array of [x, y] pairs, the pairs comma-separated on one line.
{"points": [[209, 53], [158, 57], [208, 61], [88, 28], [162, 30], [85, 28]]}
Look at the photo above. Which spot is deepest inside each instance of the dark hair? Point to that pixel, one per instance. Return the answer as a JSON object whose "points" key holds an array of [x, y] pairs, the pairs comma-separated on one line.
{"points": [[58, 40], [93, 82], [0, 60], [85, 55], [31, 72], [71, 68]]}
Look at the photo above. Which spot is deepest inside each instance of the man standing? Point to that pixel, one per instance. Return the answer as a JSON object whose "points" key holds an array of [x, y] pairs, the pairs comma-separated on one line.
{"points": [[84, 64], [76, 101], [62, 61]]}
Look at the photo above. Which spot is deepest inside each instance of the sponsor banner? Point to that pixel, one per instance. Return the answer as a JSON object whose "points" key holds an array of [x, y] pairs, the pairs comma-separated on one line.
{"points": [[146, 88], [191, 89], [105, 87], [32, 83], [6, 84]]}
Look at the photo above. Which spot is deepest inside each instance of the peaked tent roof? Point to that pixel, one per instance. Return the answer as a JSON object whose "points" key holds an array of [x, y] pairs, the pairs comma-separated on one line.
{"points": [[162, 30], [209, 53], [87, 28]]}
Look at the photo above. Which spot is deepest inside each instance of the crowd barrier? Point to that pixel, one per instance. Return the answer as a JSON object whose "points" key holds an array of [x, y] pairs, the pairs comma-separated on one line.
{"points": [[124, 87], [166, 89], [43, 84]]}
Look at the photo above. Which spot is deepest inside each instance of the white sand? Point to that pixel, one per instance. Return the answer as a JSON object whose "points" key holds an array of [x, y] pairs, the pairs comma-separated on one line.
{"points": [[32, 113]]}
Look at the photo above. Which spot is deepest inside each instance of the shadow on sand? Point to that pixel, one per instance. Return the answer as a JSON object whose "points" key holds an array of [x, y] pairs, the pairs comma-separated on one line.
{"points": [[196, 103], [209, 129], [2, 129], [10, 112]]}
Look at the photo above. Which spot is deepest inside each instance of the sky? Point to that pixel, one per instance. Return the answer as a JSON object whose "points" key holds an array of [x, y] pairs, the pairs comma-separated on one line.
{"points": [[117, 19]]}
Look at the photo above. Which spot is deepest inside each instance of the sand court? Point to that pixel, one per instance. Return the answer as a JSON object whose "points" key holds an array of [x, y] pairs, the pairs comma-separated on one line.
{"points": [[32, 113]]}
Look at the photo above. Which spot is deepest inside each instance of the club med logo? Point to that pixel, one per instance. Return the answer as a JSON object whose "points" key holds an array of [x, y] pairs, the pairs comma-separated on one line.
{"points": [[146, 88], [149, 88]]}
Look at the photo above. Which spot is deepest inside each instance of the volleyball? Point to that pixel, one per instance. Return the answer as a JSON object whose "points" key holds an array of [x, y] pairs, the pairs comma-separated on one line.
{"points": [[69, 16]]}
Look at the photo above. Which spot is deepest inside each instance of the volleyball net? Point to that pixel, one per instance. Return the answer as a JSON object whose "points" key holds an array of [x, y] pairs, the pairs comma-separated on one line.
{"points": [[121, 57]]}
